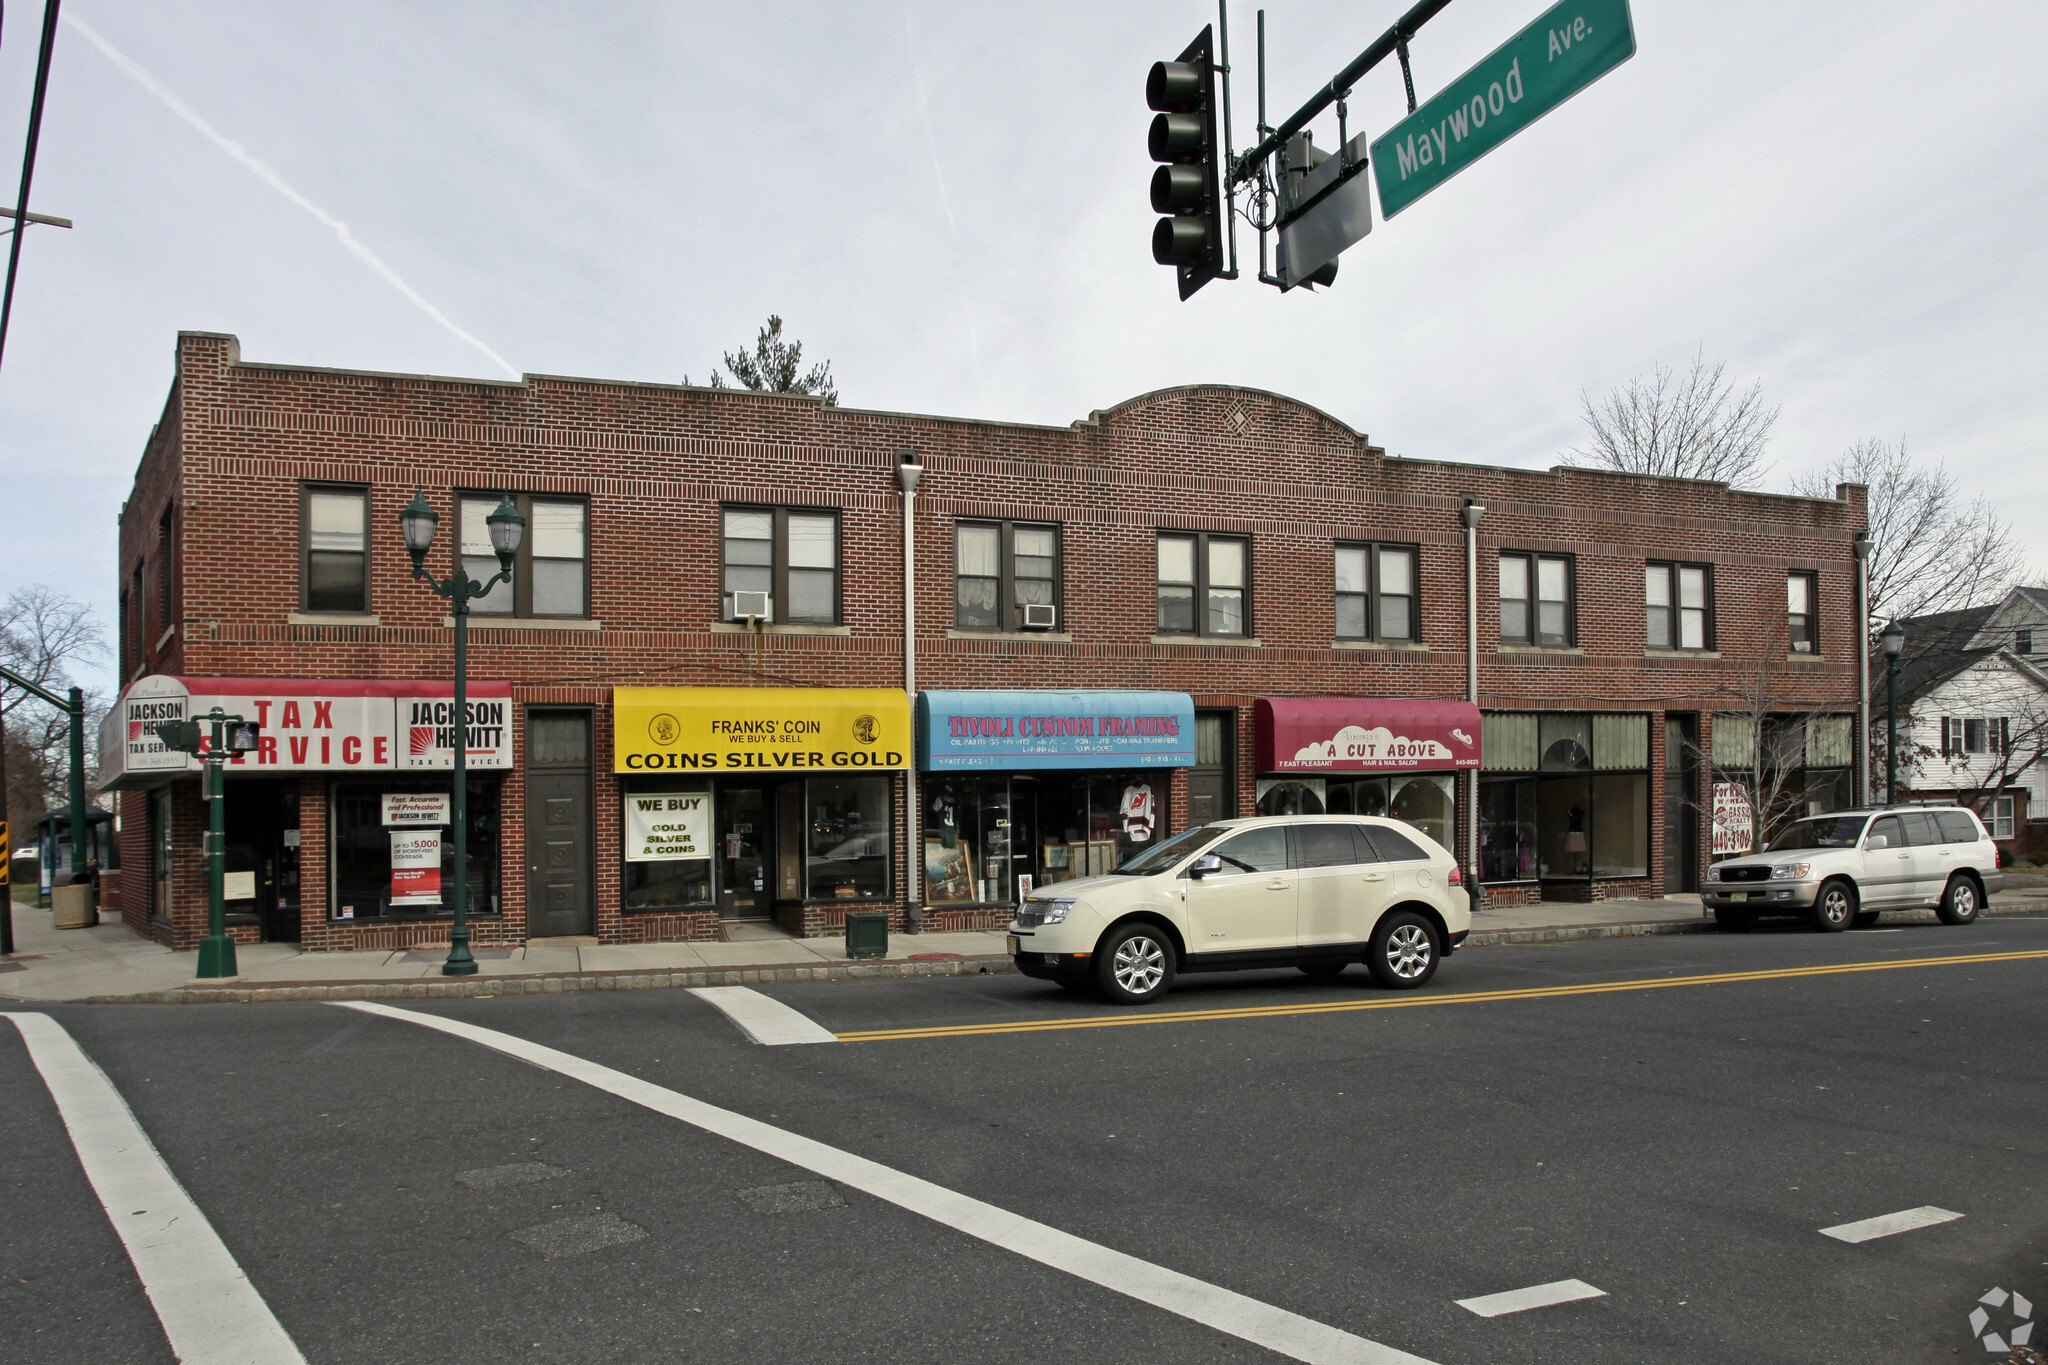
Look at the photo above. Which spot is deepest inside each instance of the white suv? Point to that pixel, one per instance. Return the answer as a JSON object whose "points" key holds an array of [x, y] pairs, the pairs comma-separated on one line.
{"points": [[1849, 866], [1314, 892]]}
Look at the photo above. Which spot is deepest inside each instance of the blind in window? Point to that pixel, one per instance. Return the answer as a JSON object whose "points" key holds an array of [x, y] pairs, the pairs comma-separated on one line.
{"points": [[1507, 741], [1621, 741], [1734, 741], [1830, 742]]}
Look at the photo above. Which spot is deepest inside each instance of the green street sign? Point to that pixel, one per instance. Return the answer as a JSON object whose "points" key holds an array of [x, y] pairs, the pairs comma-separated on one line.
{"points": [[1567, 49]]}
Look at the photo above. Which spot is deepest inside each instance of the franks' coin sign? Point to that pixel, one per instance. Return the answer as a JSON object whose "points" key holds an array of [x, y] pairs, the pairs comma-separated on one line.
{"points": [[663, 729]]}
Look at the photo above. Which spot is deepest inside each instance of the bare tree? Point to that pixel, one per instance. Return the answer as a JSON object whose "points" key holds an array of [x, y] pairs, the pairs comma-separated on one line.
{"points": [[773, 367], [1930, 551], [1767, 758], [45, 636], [1695, 426]]}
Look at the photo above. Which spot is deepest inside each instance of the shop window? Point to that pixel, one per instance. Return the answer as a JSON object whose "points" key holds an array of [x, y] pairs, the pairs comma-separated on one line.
{"points": [[1678, 606], [1376, 596], [1424, 800], [990, 840], [1582, 812], [1294, 796], [1001, 567], [668, 839], [1800, 618], [551, 572], [335, 573], [1204, 584], [361, 861], [1507, 829], [1536, 600], [792, 554], [846, 855]]}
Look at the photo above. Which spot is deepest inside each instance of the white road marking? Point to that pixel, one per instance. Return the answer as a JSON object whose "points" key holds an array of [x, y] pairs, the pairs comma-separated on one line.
{"points": [[1537, 1296], [1276, 1329], [208, 1308], [1870, 1229], [762, 1018]]}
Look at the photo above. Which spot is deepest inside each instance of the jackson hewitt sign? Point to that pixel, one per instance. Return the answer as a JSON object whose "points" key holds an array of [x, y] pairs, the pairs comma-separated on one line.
{"points": [[1562, 53]]}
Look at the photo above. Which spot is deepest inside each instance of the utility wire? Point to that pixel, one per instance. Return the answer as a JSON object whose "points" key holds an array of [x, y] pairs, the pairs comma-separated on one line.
{"points": [[28, 160]]}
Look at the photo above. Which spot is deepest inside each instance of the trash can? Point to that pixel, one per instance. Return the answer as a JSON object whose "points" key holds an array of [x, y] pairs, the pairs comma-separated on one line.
{"points": [[71, 907], [867, 933]]}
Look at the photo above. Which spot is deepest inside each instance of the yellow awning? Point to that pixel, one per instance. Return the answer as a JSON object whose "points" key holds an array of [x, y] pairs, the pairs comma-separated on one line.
{"points": [[759, 729]]}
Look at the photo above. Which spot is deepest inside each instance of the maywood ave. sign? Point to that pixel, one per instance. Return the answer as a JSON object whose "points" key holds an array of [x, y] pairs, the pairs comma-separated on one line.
{"points": [[1562, 53]]}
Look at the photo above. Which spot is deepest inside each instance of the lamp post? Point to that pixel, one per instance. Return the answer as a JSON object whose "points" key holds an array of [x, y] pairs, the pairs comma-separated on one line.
{"points": [[1893, 639], [418, 522]]}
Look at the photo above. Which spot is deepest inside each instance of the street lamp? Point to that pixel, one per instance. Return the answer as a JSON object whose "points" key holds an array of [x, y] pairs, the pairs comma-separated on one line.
{"points": [[418, 522], [1893, 638]]}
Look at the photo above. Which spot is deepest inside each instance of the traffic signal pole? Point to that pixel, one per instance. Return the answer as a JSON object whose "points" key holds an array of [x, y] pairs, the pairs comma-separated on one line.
{"points": [[73, 707]]}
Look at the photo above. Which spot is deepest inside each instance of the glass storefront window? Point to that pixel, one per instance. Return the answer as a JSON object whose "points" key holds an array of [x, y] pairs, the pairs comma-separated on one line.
{"points": [[1564, 842], [988, 840], [1424, 800], [1293, 796], [662, 880], [1621, 825], [1507, 829], [1574, 816], [847, 857], [361, 860]]}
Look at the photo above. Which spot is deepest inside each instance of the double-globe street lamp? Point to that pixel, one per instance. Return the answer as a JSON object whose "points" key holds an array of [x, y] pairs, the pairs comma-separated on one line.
{"points": [[418, 521], [1893, 638]]}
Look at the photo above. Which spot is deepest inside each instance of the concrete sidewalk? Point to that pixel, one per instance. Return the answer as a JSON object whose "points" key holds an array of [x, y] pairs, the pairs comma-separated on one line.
{"points": [[107, 964]]}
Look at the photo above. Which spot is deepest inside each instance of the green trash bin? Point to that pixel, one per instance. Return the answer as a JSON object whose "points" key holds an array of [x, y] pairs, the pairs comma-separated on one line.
{"points": [[867, 933]]}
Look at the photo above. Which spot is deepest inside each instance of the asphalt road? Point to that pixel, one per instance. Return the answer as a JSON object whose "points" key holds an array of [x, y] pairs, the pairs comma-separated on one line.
{"points": [[1352, 1156]]}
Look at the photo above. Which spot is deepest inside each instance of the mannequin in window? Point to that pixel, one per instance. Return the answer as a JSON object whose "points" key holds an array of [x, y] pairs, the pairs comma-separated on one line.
{"points": [[1575, 836]]}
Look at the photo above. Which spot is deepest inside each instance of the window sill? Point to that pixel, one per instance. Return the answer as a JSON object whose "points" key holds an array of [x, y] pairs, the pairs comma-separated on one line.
{"points": [[1806, 658], [334, 618], [1681, 654], [479, 621], [1538, 649], [794, 628], [1391, 646], [164, 639], [1058, 637], [1226, 641]]}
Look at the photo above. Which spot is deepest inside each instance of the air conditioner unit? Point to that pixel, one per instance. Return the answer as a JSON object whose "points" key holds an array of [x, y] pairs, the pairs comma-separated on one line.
{"points": [[1040, 616], [758, 605]]}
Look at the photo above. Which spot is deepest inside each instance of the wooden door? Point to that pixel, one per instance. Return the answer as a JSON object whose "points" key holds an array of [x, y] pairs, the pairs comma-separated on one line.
{"points": [[560, 887]]}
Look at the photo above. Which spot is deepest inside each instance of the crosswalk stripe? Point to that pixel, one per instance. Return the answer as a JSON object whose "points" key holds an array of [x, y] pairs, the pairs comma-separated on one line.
{"points": [[1890, 1224], [763, 1018], [1536, 1296], [209, 1310], [1237, 1315]]}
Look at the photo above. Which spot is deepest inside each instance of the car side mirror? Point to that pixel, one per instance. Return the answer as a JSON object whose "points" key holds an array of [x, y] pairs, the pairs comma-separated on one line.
{"points": [[1876, 842], [1204, 865]]}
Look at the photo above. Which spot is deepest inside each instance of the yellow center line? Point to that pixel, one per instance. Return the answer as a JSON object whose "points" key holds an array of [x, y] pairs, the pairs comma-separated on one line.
{"points": [[1409, 1001]]}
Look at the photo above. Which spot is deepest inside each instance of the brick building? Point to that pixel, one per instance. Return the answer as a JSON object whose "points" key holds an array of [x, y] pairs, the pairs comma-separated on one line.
{"points": [[1204, 601]]}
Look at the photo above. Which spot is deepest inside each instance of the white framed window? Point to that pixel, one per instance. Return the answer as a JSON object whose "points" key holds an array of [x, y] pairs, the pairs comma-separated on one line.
{"points": [[2001, 817]]}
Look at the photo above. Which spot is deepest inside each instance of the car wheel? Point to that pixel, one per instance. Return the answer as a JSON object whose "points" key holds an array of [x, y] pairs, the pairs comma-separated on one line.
{"points": [[1134, 964], [1834, 908], [1960, 902], [1323, 971], [1733, 921], [1864, 919], [1404, 953]]}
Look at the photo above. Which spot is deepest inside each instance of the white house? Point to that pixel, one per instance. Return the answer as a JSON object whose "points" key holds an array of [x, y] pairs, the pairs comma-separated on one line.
{"points": [[1973, 700]]}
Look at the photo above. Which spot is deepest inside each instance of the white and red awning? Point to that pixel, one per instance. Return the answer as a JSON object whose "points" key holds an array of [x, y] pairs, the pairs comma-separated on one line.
{"points": [[309, 725], [1364, 734]]}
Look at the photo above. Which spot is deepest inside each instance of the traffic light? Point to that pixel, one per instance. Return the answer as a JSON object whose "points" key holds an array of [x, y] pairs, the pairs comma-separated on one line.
{"points": [[1186, 188], [179, 734]]}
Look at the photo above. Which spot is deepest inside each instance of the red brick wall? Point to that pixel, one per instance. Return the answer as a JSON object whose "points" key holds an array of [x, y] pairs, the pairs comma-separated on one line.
{"points": [[238, 440]]}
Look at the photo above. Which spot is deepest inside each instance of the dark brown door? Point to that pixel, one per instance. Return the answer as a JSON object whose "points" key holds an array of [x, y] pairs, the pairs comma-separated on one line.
{"points": [[1212, 784], [560, 896], [1681, 804]]}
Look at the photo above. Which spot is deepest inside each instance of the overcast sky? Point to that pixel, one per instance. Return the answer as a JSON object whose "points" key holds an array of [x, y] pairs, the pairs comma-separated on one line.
{"points": [[948, 201]]}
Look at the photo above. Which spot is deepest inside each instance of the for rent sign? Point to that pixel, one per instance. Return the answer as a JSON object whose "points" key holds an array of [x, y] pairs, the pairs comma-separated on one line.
{"points": [[1734, 820], [1567, 49]]}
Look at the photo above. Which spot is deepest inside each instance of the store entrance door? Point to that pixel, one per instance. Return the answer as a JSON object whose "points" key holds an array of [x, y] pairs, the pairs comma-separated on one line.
{"points": [[560, 899], [262, 883], [744, 838], [1681, 804], [1212, 782]]}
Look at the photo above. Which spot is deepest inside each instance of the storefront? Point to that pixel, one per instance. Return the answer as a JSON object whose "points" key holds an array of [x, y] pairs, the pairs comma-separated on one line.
{"points": [[759, 802], [1391, 756], [1021, 789], [385, 746], [1564, 797]]}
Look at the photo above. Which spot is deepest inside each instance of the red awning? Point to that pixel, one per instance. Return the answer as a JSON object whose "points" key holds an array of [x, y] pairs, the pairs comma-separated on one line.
{"points": [[1364, 734], [341, 687]]}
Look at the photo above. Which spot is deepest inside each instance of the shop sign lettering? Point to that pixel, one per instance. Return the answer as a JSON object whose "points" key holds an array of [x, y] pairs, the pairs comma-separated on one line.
{"points": [[415, 867], [999, 729], [758, 729], [1734, 820], [667, 826], [1355, 746], [418, 809]]}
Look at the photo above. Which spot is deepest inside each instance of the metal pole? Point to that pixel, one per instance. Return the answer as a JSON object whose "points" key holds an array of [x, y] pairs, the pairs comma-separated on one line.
{"points": [[1861, 544], [28, 162], [460, 962], [1470, 514], [1891, 732], [908, 472], [6, 852], [216, 950], [76, 706]]}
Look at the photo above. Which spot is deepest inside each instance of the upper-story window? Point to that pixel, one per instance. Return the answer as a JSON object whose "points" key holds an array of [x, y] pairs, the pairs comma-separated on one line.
{"points": [[1800, 614], [1204, 584], [2023, 640], [1678, 606], [551, 572], [1001, 567], [791, 554], [336, 570], [1535, 599], [1376, 593]]}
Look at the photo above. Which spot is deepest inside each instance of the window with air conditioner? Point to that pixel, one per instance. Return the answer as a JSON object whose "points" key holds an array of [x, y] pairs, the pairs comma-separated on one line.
{"points": [[780, 565], [1006, 575]]}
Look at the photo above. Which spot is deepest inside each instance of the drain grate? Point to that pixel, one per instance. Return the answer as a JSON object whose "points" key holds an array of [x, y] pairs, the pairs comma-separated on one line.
{"points": [[801, 1197], [578, 1236]]}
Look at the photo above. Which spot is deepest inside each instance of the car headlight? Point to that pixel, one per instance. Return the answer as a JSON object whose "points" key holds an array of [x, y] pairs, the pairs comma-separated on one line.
{"points": [[1051, 912], [1714, 873], [1785, 872]]}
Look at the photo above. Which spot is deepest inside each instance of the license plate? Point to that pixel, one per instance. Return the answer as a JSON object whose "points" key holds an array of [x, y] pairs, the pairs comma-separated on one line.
{"points": [[1010, 945], [1738, 895]]}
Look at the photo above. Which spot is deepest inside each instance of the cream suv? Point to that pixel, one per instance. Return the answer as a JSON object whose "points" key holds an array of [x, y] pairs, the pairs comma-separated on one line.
{"points": [[1314, 892]]}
